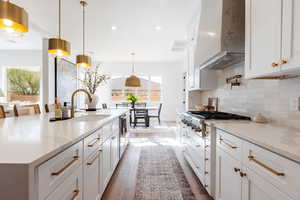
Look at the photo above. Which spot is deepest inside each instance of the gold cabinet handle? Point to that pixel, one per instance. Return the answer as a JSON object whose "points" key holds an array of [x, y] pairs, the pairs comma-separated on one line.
{"points": [[274, 64], [93, 142], [230, 145], [198, 145], [252, 158], [236, 169], [75, 194], [243, 174], [282, 62], [94, 159], [75, 158]]}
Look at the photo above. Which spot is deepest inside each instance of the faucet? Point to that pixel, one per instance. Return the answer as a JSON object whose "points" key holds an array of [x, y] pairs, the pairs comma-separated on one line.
{"points": [[72, 99]]}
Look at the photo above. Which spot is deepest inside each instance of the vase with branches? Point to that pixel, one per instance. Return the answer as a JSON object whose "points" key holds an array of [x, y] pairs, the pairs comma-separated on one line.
{"points": [[92, 79]]}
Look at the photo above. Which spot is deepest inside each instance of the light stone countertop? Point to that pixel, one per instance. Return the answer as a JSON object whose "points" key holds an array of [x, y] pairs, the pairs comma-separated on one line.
{"points": [[31, 140], [278, 139]]}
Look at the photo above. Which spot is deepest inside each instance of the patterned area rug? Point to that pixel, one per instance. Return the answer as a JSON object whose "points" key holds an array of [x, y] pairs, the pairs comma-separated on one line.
{"points": [[160, 176]]}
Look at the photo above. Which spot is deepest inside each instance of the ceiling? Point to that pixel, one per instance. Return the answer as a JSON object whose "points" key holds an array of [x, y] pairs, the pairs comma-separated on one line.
{"points": [[136, 21]]}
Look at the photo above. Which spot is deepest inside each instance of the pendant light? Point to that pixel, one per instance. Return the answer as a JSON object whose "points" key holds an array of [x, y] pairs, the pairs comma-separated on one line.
{"points": [[58, 46], [133, 81], [13, 18], [83, 60]]}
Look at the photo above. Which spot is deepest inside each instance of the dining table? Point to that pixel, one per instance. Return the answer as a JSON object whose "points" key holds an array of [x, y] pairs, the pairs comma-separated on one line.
{"points": [[149, 108]]}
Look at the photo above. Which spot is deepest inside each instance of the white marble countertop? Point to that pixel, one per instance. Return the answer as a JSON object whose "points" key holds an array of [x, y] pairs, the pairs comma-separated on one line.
{"points": [[278, 139], [33, 139]]}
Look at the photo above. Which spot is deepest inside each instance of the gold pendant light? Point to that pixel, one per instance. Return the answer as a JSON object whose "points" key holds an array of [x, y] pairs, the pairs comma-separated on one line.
{"points": [[58, 46], [133, 81], [83, 60], [13, 18]]}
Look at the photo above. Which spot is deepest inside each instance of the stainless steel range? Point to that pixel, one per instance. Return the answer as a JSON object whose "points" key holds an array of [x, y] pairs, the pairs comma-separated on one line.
{"points": [[199, 142]]}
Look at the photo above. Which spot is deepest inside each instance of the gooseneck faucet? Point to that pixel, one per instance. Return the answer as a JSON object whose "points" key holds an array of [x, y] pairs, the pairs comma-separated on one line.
{"points": [[72, 99]]}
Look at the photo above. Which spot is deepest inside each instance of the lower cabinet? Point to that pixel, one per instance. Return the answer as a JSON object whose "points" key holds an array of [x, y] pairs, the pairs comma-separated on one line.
{"points": [[71, 188], [82, 171], [92, 176], [257, 188], [229, 185], [114, 149], [255, 174], [106, 169]]}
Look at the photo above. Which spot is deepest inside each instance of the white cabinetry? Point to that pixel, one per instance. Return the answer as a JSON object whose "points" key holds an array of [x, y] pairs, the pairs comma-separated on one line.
{"points": [[71, 188], [83, 170], [92, 176], [229, 185], [106, 172], [248, 172], [257, 188], [272, 38]]}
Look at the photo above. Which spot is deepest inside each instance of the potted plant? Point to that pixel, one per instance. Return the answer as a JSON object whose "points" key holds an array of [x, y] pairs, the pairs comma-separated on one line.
{"points": [[131, 98], [91, 81]]}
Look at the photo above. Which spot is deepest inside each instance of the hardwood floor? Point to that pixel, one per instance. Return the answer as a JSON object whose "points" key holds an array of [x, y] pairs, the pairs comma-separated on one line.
{"points": [[123, 183]]}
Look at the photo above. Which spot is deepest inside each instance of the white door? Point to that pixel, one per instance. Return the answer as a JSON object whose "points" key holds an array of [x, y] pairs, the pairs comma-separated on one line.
{"points": [[228, 179], [106, 170], [291, 34], [263, 36], [256, 188], [91, 178]]}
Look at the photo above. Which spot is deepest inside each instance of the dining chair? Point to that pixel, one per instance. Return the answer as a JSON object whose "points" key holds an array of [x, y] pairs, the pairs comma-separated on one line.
{"points": [[2, 112], [104, 106], [158, 113], [52, 107], [140, 104], [26, 109], [141, 114]]}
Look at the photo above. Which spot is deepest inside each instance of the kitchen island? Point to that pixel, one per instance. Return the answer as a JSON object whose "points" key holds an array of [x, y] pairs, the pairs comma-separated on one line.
{"points": [[70, 159]]}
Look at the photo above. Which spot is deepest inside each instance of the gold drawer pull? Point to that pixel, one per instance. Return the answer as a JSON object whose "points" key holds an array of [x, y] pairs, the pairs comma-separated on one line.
{"points": [[93, 142], [94, 159], [282, 62], [252, 158], [75, 194], [75, 158], [198, 145], [230, 145], [274, 64], [236, 169]]}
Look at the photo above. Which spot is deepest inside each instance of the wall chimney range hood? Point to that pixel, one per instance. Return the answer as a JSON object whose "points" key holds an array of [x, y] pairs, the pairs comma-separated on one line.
{"points": [[221, 35]]}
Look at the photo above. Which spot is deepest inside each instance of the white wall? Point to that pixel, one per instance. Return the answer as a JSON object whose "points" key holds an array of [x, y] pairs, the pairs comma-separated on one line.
{"points": [[171, 81]]}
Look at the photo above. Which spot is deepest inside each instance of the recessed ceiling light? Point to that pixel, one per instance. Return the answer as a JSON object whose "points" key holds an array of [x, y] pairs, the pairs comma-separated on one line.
{"points": [[113, 28], [158, 28]]}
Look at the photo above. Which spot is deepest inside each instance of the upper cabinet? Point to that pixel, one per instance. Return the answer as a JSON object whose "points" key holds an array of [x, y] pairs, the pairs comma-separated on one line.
{"points": [[272, 38]]}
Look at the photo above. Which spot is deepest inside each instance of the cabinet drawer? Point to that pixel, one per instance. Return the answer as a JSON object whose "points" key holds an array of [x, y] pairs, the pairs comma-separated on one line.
{"points": [[279, 171], [71, 188], [91, 143], [229, 144], [106, 131], [54, 171]]}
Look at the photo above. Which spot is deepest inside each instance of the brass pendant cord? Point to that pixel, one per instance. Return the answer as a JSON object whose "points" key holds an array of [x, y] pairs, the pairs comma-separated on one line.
{"points": [[132, 54], [59, 19], [83, 28]]}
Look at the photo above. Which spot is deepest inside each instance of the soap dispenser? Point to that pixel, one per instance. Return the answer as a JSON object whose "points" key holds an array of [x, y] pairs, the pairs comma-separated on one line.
{"points": [[65, 111]]}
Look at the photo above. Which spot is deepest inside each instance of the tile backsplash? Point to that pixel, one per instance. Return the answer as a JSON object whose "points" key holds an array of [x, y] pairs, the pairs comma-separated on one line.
{"points": [[275, 99]]}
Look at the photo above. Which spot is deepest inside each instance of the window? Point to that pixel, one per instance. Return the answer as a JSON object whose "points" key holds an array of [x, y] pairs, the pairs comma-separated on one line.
{"points": [[22, 85], [150, 91]]}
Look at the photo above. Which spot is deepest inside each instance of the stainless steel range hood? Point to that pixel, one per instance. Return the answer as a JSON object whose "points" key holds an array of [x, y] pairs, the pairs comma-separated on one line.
{"points": [[221, 35]]}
